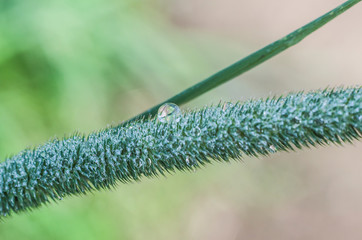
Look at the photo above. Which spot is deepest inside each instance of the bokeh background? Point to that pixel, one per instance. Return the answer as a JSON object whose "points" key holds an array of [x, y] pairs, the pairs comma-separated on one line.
{"points": [[77, 65]]}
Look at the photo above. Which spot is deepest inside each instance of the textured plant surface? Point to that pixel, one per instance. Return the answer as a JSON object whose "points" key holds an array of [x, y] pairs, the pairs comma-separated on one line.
{"points": [[80, 164], [138, 148]]}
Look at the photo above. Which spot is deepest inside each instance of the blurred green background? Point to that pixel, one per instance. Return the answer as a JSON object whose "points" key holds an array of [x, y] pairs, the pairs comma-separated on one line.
{"points": [[78, 65]]}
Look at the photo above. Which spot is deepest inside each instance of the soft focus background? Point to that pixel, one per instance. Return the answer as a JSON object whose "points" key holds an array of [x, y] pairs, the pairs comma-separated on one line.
{"points": [[78, 65]]}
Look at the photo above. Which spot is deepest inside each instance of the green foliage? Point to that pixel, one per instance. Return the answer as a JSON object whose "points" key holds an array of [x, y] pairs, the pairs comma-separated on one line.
{"points": [[79, 164], [72, 52], [252, 60], [59, 57]]}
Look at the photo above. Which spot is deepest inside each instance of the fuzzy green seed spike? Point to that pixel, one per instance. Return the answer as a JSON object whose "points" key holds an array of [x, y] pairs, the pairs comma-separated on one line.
{"points": [[80, 164], [250, 61]]}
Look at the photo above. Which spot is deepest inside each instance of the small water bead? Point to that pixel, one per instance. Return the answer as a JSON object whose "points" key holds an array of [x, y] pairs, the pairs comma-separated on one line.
{"points": [[140, 163], [168, 112], [197, 131], [226, 105], [296, 120], [187, 160], [272, 148]]}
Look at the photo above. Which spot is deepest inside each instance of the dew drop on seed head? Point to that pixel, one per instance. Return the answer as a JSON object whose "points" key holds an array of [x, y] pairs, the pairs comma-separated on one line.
{"points": [[187, 160], [272, 149], [168, 112], [295, 120], [226, 105], [140, 164], [196, 131]]}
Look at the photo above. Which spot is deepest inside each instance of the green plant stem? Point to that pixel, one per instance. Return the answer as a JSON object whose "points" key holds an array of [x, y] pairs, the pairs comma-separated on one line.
{"points": [[80, 164], [249, 62]]}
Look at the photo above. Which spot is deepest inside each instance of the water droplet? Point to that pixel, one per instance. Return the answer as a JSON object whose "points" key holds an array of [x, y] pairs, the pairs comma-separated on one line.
{"points": [[272, 148], [187, 161], [227, 105], [196, 131], [295, 120], [140, 163], [168, 112]]}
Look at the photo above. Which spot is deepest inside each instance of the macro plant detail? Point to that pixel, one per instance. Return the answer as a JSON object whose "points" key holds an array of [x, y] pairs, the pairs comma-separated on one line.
{"points": [[80, 164], [150, 145]]}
